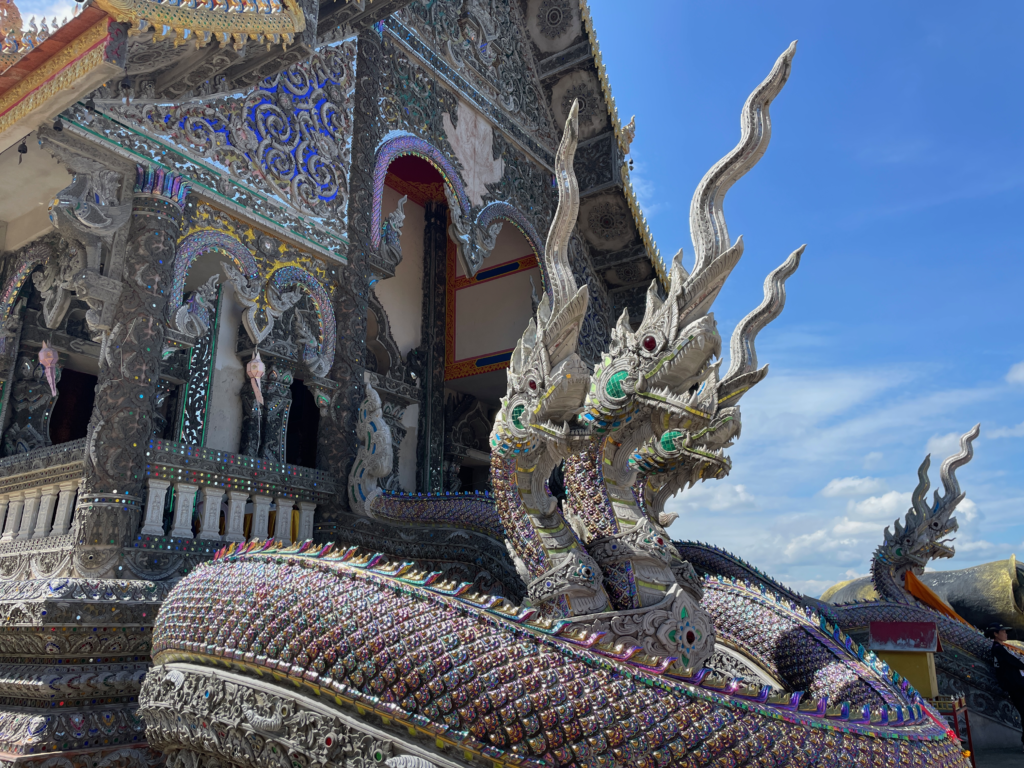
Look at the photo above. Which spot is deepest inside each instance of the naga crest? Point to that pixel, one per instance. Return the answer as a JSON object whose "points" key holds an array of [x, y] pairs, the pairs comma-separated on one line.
{"points": [[650, 418], [923, 535], [547, 380]]}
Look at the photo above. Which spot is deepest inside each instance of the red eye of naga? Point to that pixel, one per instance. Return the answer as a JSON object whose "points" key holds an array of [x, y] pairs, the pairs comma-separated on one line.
{"points": [[649, 343], [531, 384]]}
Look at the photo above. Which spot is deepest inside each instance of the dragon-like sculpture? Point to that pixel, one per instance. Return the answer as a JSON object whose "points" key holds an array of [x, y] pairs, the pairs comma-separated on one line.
{"points": [[964, 666], [602, 665], [926, 530], [652, 417]]}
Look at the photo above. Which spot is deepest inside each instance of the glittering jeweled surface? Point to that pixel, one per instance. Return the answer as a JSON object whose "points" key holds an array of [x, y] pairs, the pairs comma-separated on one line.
{"points": [[499, 687]]}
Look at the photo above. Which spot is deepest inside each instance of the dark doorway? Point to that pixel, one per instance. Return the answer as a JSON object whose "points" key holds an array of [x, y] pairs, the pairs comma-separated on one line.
{"points": [[303, 426], [70, 418]]}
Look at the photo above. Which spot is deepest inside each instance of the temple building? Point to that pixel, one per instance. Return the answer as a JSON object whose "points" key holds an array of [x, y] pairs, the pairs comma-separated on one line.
{"points": [[323, 196], [342, 389]]}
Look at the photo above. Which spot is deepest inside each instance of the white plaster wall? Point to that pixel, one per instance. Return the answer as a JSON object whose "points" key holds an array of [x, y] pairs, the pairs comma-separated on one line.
{"points": [[492, 316], [224, 414], [473, 142], [402, 295], [407, 450]]}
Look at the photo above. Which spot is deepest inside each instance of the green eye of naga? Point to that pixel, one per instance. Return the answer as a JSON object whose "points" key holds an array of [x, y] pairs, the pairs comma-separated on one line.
{"points": [[517, 416]]}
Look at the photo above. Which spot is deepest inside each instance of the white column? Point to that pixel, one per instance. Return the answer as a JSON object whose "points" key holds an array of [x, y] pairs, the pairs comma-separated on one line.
{"points": [[306, 509], [65, 506], [28, 514], [4, 501], [153, 525], [283, 521], [184, 502], [212, 497], [44, 518], [235, 528], [260, 517], [13, 523]]}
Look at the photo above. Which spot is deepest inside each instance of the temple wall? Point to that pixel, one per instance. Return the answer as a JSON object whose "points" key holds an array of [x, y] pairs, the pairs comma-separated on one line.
{"points": [[490, 317], [224, 414], [402, 295]]}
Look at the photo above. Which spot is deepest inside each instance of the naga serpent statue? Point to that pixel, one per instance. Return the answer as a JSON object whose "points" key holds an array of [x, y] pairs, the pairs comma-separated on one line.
{"points": [[316, 655], [964, 667]]}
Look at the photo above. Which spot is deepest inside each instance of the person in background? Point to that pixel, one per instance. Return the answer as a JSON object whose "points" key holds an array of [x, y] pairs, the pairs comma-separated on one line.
{"points": [[1009, 669]]}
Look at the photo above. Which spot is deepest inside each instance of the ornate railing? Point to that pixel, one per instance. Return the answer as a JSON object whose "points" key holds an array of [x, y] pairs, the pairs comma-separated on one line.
{"points": [[255, 489], [37, 494]]}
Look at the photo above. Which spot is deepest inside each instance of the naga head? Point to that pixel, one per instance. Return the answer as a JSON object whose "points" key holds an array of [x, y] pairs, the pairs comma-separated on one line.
{"points": [[547, 380], [924, 534], [668, 368]]}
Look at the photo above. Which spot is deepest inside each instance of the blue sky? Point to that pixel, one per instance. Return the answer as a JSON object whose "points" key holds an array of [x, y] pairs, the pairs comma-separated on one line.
{"points": [[896, 157]]}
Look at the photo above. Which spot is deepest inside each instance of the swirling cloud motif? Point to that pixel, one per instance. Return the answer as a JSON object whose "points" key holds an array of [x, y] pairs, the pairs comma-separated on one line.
{"points": [[290, 137]]}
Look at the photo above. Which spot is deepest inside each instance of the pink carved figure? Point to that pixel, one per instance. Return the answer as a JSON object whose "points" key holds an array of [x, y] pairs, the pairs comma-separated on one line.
{"points": [[48, 359], [255, 370]]}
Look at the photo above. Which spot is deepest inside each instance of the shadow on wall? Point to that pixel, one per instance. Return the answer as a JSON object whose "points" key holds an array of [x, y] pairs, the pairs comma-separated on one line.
{"points": [[303, 426], [70, 418]]}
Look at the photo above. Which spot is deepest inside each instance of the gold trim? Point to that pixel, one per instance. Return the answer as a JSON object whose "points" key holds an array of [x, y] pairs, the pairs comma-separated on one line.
{"points": [[197, 21], [71, 63]]}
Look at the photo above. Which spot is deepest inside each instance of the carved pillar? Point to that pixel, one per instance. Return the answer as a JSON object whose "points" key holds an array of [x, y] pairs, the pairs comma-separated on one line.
{"points": [[336, 446], [212, 498], [306, 510], [260, 517], [44, 517], [28, 513], [277, 398], [13, 523], [430, 355], [4, 501], [124, 408], [65, 503], [235, 528], [184, 504], [153, 525], [196, 390], [283, 519]]}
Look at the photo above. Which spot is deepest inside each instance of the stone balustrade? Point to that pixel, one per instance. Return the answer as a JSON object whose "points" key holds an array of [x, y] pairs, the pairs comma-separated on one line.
{"points": [[204, 477], [38, 491]]}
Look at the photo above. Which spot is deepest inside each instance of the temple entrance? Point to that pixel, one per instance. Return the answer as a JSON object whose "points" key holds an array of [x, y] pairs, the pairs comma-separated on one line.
{"points": [[70, 418], [303, 427]]}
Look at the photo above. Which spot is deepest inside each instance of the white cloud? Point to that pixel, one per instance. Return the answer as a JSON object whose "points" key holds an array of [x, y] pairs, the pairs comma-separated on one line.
{"points": [[60, 9], [889, 505], [712, 496], [967, 509], [941, 446], [1017, 431], [974, 546], [853, 574], [873, 460], [1016, 374], [853, 486]]}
